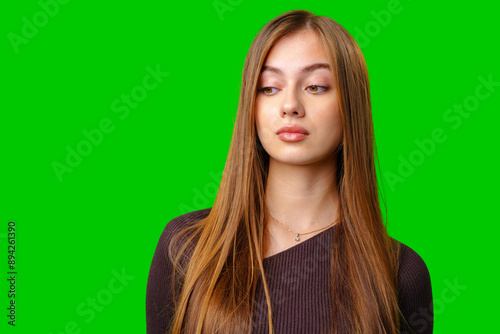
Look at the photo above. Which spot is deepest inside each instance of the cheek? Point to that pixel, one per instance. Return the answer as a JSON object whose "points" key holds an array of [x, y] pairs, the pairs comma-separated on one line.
{"points": [[328, 109], [258, 111], [260, 123], [264, 118], [335, 112], [262, 129], [332, 119], [258, 117]]}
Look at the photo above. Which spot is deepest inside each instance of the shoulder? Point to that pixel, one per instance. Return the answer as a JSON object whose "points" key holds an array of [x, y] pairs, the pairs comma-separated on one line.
{"points": [[413, 271], [181, 222], [414, 290], [172, 228], [160, 307]]}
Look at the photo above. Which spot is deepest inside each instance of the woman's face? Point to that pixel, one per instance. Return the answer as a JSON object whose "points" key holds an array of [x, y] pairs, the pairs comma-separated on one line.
{"points": [[297, 111]]}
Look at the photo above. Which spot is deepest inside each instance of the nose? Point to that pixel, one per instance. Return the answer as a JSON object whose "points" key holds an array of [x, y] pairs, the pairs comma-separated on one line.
{"points": [[291, 105]]}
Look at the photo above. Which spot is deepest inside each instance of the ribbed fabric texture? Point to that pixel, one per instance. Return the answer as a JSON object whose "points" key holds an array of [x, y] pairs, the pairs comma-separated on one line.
{"points": [[299, 283]]}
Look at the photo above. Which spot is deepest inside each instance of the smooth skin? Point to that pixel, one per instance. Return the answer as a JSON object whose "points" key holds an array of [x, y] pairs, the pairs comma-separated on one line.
{"points": [[300, 173]]}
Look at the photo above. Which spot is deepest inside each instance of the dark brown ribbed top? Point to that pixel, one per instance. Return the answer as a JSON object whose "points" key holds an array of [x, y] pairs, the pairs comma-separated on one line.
{"points": [[299, 283]]}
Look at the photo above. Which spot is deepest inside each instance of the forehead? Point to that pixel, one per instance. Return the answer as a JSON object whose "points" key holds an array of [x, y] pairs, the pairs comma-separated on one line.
{"points": [[292, 53]]}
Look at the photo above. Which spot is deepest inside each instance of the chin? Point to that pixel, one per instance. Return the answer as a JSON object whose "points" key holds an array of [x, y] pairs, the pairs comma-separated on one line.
{"points": [[293, 160], [302, 158]]}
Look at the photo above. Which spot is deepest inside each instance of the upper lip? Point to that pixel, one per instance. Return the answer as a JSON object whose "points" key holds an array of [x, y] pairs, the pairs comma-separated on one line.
{"points": [[292, 128]]}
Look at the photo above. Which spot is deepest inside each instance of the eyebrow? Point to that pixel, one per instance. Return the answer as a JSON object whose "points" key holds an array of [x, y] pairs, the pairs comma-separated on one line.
{"points": [[306, 69]]}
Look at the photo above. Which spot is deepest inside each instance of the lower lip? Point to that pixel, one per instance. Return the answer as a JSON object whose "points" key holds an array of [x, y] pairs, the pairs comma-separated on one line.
{"points": [[292, 136]]}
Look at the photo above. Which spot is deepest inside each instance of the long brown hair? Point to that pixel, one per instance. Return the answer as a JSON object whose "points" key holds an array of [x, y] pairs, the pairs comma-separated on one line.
{"points": [[220, 271]]}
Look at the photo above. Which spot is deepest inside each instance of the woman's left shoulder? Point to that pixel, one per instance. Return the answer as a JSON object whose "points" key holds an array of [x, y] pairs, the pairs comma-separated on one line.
{"points": [[412, 267], [414, 290]]}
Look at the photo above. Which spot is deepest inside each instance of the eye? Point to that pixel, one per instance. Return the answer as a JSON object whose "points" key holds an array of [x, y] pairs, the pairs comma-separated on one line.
{"points": [[317, 89], [268, 90]]}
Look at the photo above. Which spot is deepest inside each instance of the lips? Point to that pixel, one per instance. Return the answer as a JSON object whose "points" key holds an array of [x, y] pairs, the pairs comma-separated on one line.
{"points": [[292, 132]]}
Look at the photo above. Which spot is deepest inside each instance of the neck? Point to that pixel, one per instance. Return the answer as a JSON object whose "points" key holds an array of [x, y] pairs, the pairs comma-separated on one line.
{"points": [[303, 197]]}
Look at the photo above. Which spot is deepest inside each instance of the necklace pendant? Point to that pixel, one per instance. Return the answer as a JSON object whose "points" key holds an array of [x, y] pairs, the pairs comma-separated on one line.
{"points": [[297, 237]]}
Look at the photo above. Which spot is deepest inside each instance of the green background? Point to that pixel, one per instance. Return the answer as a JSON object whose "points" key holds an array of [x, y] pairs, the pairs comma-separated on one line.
{"points": [[76, 232]]}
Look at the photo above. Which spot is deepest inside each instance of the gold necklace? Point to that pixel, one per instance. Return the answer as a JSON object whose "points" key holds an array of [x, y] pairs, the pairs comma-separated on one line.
{"points": [[297, 238]]}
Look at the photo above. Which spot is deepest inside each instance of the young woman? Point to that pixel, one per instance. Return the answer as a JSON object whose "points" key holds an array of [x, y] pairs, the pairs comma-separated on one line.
{"points": [[295, 241]]}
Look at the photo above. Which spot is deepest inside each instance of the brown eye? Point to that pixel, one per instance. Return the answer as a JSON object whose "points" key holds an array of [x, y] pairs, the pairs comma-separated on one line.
{"points": [[317, 89], [268, 90]]}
